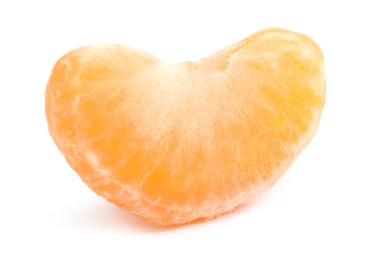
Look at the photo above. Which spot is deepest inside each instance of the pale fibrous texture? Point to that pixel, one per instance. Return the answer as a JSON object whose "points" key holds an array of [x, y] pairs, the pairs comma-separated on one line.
{"points": [[172, 143]]}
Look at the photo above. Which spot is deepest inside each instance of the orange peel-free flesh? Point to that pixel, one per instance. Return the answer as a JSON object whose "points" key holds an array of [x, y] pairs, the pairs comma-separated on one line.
{"points": [[174, 143]]}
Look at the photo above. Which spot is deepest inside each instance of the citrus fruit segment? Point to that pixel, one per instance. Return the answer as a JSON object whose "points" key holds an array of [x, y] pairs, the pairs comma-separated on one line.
{"points": [[172, 143]]}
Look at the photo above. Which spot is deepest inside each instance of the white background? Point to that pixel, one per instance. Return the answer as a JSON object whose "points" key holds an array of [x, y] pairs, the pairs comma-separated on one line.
{"points": [[321, 208]]}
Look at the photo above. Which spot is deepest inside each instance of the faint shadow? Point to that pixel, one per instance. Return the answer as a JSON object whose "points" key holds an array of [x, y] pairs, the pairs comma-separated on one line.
{"points": [[107, 217]]}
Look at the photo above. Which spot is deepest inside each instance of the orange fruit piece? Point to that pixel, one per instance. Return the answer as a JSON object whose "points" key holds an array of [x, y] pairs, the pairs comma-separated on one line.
{"points": [[175, 143]]}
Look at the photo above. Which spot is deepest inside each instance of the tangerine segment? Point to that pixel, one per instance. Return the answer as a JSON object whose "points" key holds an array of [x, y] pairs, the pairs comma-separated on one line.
{"points": [[174, 143]]}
